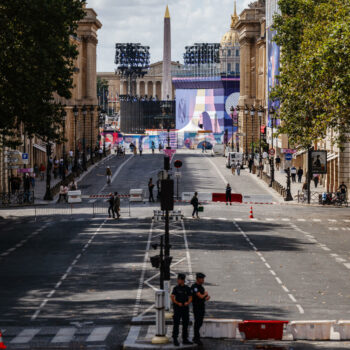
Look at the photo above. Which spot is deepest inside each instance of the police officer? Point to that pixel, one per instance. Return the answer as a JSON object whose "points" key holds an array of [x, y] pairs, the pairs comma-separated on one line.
{"points": [[200, 296], [181, 298]]}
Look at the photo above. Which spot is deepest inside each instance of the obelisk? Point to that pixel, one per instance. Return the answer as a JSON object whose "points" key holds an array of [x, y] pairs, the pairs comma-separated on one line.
{"points": [[166, 84]]}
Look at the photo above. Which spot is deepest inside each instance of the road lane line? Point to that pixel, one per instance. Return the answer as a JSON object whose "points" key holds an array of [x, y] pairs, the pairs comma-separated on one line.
{"points": [[59, 283], [217, 170], [187, 252], [144, 267], [279, 281]]}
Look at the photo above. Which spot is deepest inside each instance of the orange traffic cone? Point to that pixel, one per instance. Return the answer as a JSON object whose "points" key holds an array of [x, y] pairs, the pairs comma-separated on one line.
{"points": [[2, 345], [251, 213]]}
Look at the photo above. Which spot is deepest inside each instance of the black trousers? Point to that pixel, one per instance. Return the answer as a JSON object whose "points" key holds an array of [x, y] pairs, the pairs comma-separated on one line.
{"points": [[181, 313], [111, 210], [198, 321], [195, 210], [151, 198], [228, 197]]}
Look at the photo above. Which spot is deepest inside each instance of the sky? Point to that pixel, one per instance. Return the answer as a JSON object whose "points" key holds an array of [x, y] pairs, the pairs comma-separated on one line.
{"points": [[139, 21]]}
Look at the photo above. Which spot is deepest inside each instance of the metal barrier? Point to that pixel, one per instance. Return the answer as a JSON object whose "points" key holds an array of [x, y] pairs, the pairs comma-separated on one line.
{"points": [[314, 197], [20, 198]]}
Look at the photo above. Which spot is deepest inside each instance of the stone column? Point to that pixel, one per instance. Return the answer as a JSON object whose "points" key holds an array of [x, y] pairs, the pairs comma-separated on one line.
{"points": [[91, 43], [155, 89], [146, 88], [121, 83], [138, 87]]}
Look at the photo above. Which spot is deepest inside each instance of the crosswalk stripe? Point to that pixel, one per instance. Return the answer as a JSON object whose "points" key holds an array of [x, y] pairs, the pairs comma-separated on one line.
{"points": [[99, 334], [25, 336], [64, 335]]}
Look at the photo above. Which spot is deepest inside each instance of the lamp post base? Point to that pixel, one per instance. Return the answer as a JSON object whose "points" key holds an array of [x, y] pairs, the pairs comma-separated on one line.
{"points": [[288, 198]]}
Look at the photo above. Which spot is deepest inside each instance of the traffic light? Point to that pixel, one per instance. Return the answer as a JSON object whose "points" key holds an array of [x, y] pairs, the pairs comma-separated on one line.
{"points": [[167, 195], [166, 163], [155, 261]]}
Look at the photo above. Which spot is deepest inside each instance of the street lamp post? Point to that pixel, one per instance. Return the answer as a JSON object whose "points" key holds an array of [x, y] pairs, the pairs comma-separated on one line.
{"points": [[64, 118], [237, 113], [246, 112], [252, 114], [272, 161], [84, 111], [92, 109], [76, 114], [48, 194], [232, 109], [260, 115]]}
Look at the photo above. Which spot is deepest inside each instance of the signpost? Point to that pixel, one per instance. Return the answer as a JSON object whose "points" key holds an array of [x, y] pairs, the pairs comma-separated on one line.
{"points": [[272, 152], [288, 156], [25, 158], [178, 165]]}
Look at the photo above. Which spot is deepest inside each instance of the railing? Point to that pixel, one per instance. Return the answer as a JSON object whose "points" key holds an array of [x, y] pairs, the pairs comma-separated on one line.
{"points": [[314, 197], [19, 198]]}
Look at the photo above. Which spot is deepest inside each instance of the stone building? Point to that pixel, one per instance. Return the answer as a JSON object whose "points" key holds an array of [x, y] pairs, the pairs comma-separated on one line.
{"points": [[230, 50], [150, 84], [252, 40], [83, 94]]}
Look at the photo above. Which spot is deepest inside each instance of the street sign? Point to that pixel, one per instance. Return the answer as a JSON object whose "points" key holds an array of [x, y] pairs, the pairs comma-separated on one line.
{"points": [[13, 167], [272, 152], [288, 156], [178, 174], [178, 164], [25, 158]]}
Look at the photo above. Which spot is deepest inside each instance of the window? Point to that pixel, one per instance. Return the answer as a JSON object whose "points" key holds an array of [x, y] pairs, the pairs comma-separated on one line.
{"points": [[237, 53], [228, 53], [237, 68], [228, 67]]}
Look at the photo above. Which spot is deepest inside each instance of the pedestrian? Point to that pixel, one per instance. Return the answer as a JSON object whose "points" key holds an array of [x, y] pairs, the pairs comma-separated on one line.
{"points": [[293, 172], [61, 168], [195, 203], [100, 152], [316, 180], [32, 181], [140, 150], [63, 194], [73, 186], [300, 174], [181, 298], [160, 147], [26, 187], [150, 189], [36, 170], [111, 206], [55, 168], [199, 297], [250, 164], [278, 162], [108, 175], [153, 147], [42, 171], [238, 168], [228, 194], [203, 147], [233, 168], [117, 204]]}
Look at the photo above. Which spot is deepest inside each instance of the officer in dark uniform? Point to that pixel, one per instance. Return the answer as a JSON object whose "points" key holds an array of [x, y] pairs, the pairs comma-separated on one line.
{"points": [[200, 296], [181, 298]]}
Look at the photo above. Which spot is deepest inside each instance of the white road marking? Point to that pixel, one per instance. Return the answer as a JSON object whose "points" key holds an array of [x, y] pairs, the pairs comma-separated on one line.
{"points": [[270, 219], [347, 265], [301, 220], [285, 219], [144, 267], [99, 334], [316, 220], [187, 252], [25, 336], [69, 269], [64, 335], [332, 220], [298, 306]]}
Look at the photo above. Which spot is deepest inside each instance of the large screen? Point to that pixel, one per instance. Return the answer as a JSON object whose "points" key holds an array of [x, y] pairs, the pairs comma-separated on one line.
{"points": [[196, 107]]}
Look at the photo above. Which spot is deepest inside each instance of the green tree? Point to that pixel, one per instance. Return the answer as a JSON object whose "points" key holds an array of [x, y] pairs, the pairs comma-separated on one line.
{"points": [[314, 81], [102, 91], [36, 64]]}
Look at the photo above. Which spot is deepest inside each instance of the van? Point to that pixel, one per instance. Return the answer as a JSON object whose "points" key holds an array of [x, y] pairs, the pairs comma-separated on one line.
{"points": [[234, 157], [218, 150]]}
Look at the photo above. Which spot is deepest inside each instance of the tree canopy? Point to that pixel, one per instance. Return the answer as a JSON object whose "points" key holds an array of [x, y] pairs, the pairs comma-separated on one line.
{"points": [[314, 81], [37, 61]]}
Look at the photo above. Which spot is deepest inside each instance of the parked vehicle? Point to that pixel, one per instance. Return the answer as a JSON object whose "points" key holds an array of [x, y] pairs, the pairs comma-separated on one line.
{"points": [[234, 157], [218, 150]]}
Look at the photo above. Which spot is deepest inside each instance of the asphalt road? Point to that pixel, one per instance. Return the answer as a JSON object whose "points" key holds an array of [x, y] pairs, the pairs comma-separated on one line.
{"points": [[292, 262]]}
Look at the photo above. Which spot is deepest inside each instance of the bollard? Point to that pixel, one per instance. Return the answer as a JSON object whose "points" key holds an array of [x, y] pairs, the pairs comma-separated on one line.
{"points": [[168, 314], [160, 337]]}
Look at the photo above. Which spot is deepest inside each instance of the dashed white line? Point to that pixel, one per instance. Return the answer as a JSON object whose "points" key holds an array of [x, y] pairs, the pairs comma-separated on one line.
{"points": [[285, 289], [292, 298], [278, 280], [69, 269]]}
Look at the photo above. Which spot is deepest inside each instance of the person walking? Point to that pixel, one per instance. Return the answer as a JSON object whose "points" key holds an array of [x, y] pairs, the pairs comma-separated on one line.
{"points": [[140, 150], [238, 168], [111, 206], [26, 188], [293, 172], [63, 194], [300, 174], [233, 168], [117, 204], [228, 194], [316, 180], [153, 147], [150, 189], [278, 162], [36, 170], [250, 164], [199, 297], [108, 175], [195, 204], [181, 298], [42, 171]]}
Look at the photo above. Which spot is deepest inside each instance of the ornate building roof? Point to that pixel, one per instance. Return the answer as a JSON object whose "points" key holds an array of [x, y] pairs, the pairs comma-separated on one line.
{"points": [[231, 37]]}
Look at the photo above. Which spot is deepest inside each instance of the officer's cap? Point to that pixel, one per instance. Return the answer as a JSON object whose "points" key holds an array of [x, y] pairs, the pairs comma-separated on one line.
{"points": [[200, 275], [181, 276]]}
